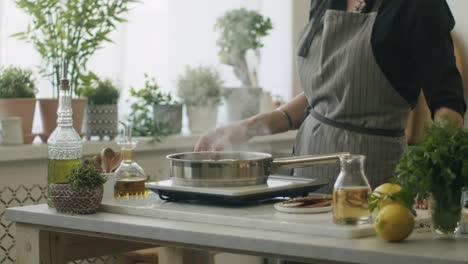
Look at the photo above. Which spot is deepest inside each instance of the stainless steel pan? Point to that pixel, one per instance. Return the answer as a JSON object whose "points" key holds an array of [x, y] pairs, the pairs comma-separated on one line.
{"points": [[226, 169]]}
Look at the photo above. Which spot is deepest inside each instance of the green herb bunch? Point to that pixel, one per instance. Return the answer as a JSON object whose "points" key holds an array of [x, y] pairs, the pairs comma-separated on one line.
{"points": [[16, 83], [99, 91], [86, 176], [241, 31], [200, 86], [69, 32], [437, 166], [141, 115]]}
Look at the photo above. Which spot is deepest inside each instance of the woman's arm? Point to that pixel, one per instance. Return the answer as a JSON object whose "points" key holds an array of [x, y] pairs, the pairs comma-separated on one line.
{"points": [[432, 50], [277, 120], [235, 134], [444, 111]]}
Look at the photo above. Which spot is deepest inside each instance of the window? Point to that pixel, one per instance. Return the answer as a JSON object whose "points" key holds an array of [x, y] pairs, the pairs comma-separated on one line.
{"points": [[161, 38]]}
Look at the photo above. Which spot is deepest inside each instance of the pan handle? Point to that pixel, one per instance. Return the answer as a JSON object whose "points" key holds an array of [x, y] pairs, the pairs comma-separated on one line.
{"points": [[304, 161]]}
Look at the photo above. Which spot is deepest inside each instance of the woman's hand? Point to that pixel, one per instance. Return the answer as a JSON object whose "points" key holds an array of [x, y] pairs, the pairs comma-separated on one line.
{"points": [[235, 134], [224, 138]]}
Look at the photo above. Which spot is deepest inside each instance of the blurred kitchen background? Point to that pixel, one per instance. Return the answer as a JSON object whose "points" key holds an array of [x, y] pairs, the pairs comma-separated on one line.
{"points": [[161, 37]]}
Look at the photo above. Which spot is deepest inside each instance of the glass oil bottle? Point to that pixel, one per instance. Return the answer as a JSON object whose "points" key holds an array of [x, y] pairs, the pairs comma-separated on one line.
{"points": [[64, 144], [130, 178]]}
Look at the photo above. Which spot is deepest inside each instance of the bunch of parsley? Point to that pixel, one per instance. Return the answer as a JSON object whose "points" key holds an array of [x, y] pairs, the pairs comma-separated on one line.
{"points": [[437, 166]]}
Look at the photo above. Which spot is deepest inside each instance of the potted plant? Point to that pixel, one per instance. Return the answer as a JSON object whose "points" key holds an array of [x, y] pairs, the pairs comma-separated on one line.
{"points": [[200, 90], [66, 34], [83, 192], [102, 111], [17, 97], [437, 166], [239, 44], [154, 113]]}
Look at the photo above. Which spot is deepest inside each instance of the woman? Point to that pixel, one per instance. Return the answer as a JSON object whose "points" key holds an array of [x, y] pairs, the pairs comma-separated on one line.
{"points": [[362, 65]]}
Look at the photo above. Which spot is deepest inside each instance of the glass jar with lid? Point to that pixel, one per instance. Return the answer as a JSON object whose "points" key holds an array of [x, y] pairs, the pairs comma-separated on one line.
{"points": [[351, 192]]}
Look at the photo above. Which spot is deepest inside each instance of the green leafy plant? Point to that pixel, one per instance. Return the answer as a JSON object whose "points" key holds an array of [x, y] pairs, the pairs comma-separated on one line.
{"points": [[69, 32], [241, 31], [16, 83], [86, 176], [200, 86], [141, 116], [437, 166], [99, 92]]}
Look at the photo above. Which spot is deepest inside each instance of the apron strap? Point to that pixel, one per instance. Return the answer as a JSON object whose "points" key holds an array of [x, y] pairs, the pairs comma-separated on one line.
{"points": [[376, 5], [316, 26], [357, 129]]}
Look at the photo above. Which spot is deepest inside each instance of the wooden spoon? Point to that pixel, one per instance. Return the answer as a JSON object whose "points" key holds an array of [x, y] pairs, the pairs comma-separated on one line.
{"points": [[116, 161], [110, 160]]}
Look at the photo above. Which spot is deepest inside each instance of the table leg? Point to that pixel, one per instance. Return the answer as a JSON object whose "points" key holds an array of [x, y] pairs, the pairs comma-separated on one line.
{"points": [[171, 255], [33, 246], [27, 245]]}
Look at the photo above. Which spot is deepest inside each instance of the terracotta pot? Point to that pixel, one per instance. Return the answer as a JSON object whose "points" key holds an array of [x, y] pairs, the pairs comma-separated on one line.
{"points": [[20, 107], [48, 108]]}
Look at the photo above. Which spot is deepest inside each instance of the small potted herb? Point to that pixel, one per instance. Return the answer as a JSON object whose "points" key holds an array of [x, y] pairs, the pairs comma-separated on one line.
{"points": [[200, 90], [83, 192], [154, 113], [437, 166], [239, 42], [102, 111], [17, 97]]}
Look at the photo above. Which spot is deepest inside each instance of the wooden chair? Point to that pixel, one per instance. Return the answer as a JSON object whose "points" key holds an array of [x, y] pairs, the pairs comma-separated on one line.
{"points": [[421, 115]]}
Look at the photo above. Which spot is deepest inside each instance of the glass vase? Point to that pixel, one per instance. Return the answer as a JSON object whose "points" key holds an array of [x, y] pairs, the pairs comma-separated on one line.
{"points": [[445, 215]]}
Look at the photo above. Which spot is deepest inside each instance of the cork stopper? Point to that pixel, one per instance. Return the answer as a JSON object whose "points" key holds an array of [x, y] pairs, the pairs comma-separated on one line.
{"points": [[64, 84]]}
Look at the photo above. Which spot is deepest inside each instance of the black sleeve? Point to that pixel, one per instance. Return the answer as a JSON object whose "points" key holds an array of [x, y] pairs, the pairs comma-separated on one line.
{"points": [[432, 51]]}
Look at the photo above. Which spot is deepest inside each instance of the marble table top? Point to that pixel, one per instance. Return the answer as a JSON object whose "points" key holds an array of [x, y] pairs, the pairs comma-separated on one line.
{"points": [[256, 216], [419, 248]]}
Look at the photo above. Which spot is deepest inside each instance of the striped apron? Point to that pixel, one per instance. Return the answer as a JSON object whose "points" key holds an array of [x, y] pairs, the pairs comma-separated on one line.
{"points": [[353, 107]]}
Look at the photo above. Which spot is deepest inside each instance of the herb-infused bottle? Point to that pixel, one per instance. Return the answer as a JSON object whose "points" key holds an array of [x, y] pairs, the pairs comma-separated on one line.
{"points": [[64, 145], [351, 192]]}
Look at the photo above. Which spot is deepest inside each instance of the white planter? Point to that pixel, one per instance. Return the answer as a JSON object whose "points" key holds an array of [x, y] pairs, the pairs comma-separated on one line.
{"points": [[242, 103], [202, 118]]}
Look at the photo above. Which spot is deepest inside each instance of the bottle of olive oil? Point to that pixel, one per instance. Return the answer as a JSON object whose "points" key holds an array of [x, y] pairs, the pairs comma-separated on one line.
{"points": [[129, 177], [64, 145]]}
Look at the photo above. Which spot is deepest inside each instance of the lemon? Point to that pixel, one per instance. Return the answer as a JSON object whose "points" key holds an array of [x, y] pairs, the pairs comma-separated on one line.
{"points": [[382, 194], [394, 223]]}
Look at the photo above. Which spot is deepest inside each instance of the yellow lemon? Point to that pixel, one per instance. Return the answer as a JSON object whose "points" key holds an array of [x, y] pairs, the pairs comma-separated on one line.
{"points": [[394, 223], [382, 194]]}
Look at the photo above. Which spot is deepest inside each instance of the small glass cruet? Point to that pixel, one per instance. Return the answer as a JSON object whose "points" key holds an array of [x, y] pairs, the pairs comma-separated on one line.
{"points": [[130, 178]]}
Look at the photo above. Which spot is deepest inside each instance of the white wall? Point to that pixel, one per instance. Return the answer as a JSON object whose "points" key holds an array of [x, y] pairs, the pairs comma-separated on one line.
{"points": [[459, 10], [299, 21]]}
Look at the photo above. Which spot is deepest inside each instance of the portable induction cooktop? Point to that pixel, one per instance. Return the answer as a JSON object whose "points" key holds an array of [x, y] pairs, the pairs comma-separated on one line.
{"points": [[276, 186]]}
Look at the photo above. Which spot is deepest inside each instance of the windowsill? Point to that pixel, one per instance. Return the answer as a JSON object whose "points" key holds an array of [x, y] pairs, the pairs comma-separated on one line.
{"points": [[167, 144]]}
